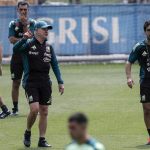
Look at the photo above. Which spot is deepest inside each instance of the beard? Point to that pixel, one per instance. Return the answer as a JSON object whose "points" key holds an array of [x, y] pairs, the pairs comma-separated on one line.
{"points": [[148, 38]]}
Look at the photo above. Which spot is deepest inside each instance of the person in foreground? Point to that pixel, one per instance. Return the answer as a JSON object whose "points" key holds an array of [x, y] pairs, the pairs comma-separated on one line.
{"points": [[17, 28], [38, 56], [5, 112], [141, 52], [77, 125]]}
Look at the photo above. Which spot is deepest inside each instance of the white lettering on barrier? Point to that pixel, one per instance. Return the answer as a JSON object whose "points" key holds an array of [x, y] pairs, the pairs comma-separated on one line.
{"points": [[101, 30], [85, 30], [65, 32], [115, 30], [67, 27]]}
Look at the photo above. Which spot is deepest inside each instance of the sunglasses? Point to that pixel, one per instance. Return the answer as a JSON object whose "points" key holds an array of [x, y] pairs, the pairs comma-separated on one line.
{"points": [[23, 9]]}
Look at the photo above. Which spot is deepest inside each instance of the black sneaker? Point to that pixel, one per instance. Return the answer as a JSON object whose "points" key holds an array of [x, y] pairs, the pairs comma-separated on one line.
{"points": [[43, 143], [27, 138], [14, 112], [4, 114]]}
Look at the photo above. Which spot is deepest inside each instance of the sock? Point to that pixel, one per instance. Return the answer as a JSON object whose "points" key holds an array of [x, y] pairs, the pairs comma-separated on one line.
{"points": [[148, 130], [15, 105], [41, 138], [4, 108], [28, 132]]}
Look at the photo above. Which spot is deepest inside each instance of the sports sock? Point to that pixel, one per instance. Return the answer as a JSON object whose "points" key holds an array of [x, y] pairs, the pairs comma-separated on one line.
{"points": [[4, 108], [148, 130], [28, 132], [41, 138], [15, 105]]}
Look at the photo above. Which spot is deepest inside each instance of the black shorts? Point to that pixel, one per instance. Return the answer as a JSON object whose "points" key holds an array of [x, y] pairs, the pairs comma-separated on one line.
{"points": [[16, 67], [145, 91], [39, 94]]}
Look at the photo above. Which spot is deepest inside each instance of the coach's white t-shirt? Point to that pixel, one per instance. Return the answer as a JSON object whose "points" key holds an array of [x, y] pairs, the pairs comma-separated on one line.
{"points": [[91, 144]]}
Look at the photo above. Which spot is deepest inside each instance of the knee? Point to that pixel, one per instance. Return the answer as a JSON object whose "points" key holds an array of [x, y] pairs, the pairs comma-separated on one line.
{"points": [[16, 84], [44, 112], [147, 111], [34, 111]]}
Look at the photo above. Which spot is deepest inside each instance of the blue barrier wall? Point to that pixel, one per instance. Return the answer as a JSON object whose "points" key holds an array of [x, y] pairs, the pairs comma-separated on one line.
{"points": [[85, 29]]}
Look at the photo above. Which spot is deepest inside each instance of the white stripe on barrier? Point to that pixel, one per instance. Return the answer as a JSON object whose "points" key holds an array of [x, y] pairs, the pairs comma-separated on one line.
{"points": [[88, 58]]}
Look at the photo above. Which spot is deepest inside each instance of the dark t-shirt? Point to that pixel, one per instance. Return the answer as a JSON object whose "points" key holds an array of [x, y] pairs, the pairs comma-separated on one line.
{"points": [[141, 53], [37, 59]]}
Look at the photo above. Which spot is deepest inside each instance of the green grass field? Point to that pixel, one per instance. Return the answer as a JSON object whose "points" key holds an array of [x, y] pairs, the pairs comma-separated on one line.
{"points": [[98, 90]]}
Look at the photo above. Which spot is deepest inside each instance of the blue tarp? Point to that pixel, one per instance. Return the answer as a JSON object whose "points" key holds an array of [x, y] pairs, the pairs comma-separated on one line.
{"points": [[85, 29]]}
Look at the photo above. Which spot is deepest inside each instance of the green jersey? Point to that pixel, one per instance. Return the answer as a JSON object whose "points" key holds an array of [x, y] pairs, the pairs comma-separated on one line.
{"points": [[141, 53], [90, 144]]}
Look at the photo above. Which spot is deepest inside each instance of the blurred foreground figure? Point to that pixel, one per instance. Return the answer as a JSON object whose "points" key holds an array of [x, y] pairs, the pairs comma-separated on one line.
{"points": [[77, 125], [5, 112]]}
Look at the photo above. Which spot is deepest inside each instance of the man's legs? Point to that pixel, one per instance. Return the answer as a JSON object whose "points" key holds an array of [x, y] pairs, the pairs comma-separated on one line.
{"points": [[5, 112], [43, 110], [1, 102], [15, 95], [34, 109], [146, 110]]}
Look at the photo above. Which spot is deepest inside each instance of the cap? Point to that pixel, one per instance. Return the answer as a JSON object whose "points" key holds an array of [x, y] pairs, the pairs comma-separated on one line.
{"points": [[42, 25]]}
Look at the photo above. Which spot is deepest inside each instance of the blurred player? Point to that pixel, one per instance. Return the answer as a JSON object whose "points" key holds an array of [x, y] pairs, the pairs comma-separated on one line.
{"points": [[5, 112], [141, 52], [77, 124], [38, 56], [16, 30]]}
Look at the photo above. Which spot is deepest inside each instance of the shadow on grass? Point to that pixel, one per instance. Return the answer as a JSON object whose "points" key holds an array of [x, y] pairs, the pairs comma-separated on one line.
{"points": [[140, 147], [143, 147], [14, 117], [19, 116], [37, 148]]}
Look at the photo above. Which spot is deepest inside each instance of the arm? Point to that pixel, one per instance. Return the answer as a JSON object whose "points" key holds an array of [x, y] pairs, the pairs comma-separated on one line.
{"points": [[130, 81], [22, 45], [134, 55], [11, 34], [56, 70], [13, 39]]}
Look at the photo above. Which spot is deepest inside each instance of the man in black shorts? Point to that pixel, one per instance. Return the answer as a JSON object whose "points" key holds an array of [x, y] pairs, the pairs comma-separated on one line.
{"points": [[141, 53], [38, 56], [16, 29]]}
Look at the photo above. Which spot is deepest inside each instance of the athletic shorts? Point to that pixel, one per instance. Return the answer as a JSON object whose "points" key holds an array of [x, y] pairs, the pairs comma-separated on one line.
{"points": [[145, 91], [39, 94], [16, 67]]}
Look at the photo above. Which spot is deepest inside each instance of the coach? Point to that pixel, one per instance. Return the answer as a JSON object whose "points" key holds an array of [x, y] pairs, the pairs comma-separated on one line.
{"points": [[38, 56]]}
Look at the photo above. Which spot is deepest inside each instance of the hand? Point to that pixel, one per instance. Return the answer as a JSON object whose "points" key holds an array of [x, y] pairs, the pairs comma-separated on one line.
{"points": [[61, 88], [28, 35], [130, 82], [25, 29]]}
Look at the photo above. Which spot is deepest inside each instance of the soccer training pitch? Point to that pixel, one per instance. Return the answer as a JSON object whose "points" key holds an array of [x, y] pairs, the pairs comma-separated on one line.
{"points": [[98, 90]]}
